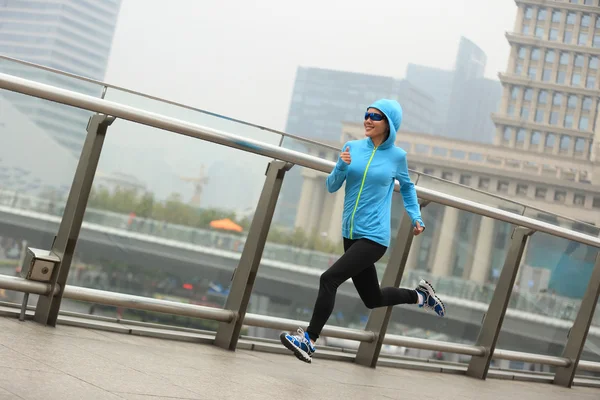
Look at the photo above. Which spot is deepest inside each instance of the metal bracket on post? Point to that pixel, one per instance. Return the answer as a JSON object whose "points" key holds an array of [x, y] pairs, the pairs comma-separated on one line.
{"points": [[492, 323], [65, 241], [247, 269], [579, 331], [368, 353]]}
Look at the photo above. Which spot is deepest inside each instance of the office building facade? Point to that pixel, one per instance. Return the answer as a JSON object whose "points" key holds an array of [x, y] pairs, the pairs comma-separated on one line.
{"points": [[69, 35]]}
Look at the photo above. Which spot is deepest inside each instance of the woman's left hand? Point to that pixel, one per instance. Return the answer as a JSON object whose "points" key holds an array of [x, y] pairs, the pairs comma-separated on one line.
{"points": [[418, 229]]}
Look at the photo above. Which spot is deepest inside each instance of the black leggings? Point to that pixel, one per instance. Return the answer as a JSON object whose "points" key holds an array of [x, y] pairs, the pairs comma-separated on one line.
{"points": [[358, 263]]}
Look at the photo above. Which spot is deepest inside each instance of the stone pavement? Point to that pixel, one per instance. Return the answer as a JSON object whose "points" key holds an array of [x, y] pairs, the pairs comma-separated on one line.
{"points": [[85, 364]]}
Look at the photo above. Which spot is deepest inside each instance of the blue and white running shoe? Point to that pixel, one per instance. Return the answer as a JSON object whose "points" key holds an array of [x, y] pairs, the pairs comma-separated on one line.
{"points": [[299, 344], [431, 301]]}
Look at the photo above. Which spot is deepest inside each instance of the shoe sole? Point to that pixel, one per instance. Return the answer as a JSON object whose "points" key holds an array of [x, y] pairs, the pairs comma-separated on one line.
{"points": [[429, 288], [299, 353]]}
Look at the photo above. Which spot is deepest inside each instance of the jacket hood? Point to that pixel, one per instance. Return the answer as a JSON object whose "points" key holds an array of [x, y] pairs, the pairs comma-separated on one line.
{"points": [[393, 112]]}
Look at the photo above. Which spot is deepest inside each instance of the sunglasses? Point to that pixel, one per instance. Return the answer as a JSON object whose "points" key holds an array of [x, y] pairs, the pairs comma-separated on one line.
{"points": [[374, 116]]}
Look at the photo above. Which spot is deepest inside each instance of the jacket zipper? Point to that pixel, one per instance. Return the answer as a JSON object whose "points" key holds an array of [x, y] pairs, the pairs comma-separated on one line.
{"points": [[360, 191]]}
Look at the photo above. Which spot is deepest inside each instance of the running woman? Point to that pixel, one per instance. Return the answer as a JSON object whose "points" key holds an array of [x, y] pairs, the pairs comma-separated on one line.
{"points": [[369, 167]]}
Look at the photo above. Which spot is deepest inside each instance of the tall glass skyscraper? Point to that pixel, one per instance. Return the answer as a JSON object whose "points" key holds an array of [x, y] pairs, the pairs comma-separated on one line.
{"points": [[70, 35]]}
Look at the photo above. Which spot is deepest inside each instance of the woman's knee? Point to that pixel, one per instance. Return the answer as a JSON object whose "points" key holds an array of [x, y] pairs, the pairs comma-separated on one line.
{"points": [[328, 279], [372, 302]]}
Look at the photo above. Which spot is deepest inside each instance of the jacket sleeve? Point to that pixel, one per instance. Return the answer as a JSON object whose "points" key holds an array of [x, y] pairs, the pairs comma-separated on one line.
{"points": [[409, 194], [337, 177]]}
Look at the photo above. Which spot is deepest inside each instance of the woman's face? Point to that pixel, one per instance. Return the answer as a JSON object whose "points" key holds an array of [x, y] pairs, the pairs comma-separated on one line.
{"points": [[374, 128]]}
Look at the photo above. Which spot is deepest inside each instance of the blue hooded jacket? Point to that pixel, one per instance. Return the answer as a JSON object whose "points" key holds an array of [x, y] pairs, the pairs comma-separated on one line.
{"points": [[370, 179]]}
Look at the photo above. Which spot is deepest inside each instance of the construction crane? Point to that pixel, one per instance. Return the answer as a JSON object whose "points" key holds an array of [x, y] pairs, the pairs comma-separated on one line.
{"points": [[198, 183]]}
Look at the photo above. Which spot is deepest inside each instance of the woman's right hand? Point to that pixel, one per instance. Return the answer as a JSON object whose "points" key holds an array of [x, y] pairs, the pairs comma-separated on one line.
{"points": [[346, 155]]}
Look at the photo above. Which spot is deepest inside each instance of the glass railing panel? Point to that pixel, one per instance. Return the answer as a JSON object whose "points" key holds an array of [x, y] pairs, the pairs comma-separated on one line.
{"points": [[151, 225], [546, 297], [461, 255], [41, 143]]}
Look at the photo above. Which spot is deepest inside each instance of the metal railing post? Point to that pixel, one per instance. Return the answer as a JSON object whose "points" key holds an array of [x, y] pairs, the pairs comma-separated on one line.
{"points": [[244, 275], [68, 232], [492, 322], [579, 331], [368, 353]]}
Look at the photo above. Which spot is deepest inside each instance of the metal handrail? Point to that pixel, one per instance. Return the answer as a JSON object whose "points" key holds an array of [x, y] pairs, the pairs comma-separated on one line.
{"points": [[106, 85], [143, 117]]}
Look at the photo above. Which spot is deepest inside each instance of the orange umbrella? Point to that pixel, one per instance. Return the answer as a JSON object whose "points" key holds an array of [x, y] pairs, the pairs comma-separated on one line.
{"points": [[226, 224]]}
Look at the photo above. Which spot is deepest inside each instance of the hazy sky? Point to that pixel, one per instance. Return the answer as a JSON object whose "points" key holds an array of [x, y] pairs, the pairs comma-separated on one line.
{"points": [[240, 57]]}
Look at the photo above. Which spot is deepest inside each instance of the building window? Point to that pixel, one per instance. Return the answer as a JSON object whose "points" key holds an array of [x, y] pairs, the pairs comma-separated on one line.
{"points": [[510, 111], [579, 199], [596, 202], [540, 193], [564, 142], [554, 118], [528, 12], [535, 54], [568, 38], [564, 59], [507, 134], [539, 32], [502, 187], [542, 97], [553, 35], [528, 95], [465, 180], [522, 190], [550, 139], [541, 14], [428, 171], [550, 55], [576, 79], [521, 136], [583, 123], [560, 196], [585, 20], [571, 18], [525, 30], [518, 69], [590, 82], [587, 103], [514, 93], [440, 151], [578, 60], [593, 62], [557, 99], [556, 15], [568, 120], [535, 138], [583, 38], [596, 40], [572, 102], [561, 77], [532, 72], [484, 183], [522, 52], [546, 75], [447, 176], [539, 115], [579, 145]]}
